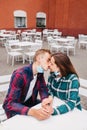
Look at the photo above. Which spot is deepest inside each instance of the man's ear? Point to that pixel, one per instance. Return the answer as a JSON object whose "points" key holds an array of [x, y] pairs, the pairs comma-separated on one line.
{"points": [[38, 58]]}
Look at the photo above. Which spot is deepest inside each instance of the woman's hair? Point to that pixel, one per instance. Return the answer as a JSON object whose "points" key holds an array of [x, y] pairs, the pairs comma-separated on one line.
{"points": [[41, 52], [64, 64]]}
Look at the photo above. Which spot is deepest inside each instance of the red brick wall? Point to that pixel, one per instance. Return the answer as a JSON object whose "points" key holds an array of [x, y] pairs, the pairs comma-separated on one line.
{"points": [[69, 16], [30, 6]]}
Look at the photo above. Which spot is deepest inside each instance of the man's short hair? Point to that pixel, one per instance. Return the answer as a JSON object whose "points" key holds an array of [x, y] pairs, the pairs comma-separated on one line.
{"points": [[41, 52]]}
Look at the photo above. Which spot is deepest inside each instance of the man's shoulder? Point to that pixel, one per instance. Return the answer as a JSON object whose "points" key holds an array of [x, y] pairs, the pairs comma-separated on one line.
{"points": [[26, 69]]}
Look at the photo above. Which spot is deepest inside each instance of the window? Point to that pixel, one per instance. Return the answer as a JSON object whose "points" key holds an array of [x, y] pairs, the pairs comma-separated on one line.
{"points": [[41, 20], [20, 20]]}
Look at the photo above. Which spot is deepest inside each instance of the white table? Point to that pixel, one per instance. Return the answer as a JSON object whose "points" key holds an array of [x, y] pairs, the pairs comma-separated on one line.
{"points": [[75, 120], [23, 44]]}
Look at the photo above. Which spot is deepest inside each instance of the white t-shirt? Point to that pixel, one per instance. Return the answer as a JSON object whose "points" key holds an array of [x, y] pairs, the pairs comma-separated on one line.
{"points": [[32, 84]]}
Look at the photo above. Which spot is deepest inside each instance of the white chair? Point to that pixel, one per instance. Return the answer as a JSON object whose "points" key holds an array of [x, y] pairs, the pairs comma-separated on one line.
{"points": [[56, 47], [52, 44], [38, 41], [13, 47], [12, 54], [31, 52], [45, 34], [38, 35], [70, 45], [33, 30], [4, 85], [57, 34], [82, 41], [83, 91], [2, 41]]}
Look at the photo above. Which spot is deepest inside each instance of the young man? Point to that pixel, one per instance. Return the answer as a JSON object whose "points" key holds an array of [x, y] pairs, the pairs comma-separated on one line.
{"points": [[24, 86]]}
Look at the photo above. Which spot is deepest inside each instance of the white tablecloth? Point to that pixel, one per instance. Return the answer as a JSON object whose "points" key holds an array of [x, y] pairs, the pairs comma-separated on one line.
{"points": [[74, 120]]}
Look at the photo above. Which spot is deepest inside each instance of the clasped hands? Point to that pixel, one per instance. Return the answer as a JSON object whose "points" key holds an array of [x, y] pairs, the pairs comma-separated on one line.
{"points": [[45, 111]]}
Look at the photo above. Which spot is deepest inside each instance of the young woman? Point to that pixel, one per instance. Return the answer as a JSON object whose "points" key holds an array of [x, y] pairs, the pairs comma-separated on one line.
{"points": [[63, 83]]}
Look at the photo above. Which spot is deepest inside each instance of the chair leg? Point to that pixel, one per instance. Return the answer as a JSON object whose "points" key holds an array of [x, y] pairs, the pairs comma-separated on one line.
{"points": [[74, 51], [67, 52], [13, 61], [30, 59], [7, 59], [23, 59]]}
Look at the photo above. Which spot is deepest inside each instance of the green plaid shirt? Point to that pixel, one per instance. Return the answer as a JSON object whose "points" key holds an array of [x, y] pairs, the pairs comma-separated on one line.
{"points": [[66, 89]]}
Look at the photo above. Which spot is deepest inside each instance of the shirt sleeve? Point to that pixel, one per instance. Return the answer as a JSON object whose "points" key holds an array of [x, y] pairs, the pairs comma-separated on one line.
{"points": [[13, 102], [71, 100]]}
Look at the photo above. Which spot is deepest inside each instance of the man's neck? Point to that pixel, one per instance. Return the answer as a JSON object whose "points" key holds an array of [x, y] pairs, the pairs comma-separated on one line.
{"points": [[34, 67]]}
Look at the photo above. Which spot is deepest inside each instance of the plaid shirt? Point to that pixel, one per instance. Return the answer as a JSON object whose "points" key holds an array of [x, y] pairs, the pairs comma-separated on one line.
{"points": [[18, 88], [66, 89]]}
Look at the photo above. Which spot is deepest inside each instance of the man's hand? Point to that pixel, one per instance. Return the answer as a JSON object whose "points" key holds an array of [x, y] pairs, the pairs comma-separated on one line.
{"points": [[47, 104], [40, 114]]}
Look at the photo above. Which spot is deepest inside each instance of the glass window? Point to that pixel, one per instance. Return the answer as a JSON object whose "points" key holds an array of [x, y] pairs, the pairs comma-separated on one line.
{"points": [[20, 19], [20, 22], [41, 20]]}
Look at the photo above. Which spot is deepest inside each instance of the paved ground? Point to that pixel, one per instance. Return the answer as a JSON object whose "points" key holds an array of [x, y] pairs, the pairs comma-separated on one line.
{"points": [[79, 61]]}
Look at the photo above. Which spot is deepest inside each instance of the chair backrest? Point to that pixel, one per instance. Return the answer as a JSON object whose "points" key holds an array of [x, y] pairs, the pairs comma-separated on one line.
{"points": [[4, 82], [35, 48], [82, 37], [38, 35], [4, 85], [83, 88], [49, 39], [72, 40], [5, 79], [38, 41], [83, 92], [12, 41], [8, 48]]}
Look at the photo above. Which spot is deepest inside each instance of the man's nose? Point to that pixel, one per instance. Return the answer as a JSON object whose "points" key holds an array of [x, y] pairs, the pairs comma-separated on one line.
{"points": [[49, 65]]}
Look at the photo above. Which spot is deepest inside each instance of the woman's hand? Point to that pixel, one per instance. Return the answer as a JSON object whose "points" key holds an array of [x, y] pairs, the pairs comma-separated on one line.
{"points": [[47, 101], [40, 114]]}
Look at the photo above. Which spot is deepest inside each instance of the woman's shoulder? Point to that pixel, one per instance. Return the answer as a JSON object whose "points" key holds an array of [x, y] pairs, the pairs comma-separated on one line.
{"points": [[72, 77]]}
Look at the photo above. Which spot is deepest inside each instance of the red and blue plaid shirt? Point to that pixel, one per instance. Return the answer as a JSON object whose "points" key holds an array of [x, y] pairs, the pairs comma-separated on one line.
{"points": [[18, 88]]}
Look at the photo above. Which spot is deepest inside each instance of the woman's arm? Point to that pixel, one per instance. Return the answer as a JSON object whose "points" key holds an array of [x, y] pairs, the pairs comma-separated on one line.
{"points": [[71, 99]]}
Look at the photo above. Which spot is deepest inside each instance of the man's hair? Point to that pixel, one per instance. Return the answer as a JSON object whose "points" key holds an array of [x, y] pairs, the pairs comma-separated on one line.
{"points": [[40, 52]]}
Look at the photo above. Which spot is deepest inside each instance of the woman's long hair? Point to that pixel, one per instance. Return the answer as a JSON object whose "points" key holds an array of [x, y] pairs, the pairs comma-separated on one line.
{"points": [[64, 63]]}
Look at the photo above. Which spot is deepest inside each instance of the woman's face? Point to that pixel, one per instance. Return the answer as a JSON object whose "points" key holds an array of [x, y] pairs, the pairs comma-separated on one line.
{"points": [[53, 67]]}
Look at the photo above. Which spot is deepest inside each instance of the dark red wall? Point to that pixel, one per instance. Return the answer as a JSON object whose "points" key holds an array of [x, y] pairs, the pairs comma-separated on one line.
{"points": [[69, 16]]}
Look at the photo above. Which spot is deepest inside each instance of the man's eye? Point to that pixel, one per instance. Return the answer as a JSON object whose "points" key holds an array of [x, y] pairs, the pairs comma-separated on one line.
{"points": [[48, 60]]}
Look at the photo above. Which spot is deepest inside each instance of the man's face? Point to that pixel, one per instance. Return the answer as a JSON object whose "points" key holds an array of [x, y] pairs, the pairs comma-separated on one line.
{"points": [[45, 61]]}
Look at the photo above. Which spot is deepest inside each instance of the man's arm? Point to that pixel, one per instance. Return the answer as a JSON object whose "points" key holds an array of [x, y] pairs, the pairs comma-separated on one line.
{"points": [[13, 102]]}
